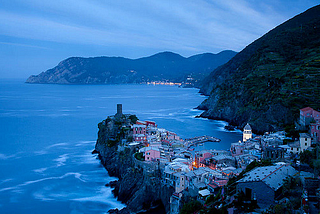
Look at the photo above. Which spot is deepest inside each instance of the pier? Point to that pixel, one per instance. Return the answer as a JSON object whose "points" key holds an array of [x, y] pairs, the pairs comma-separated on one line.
{"points": [[201, 139]]}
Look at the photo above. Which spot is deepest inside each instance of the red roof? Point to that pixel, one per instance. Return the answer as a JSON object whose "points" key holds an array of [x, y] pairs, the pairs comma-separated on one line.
{"points": [[306, 109]]}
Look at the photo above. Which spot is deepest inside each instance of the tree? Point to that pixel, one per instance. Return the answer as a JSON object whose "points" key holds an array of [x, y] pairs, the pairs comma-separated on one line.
{"points": [[133, 118], [191, 207]]}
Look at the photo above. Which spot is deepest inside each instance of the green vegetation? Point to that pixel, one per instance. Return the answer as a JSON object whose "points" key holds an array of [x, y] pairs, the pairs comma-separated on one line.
{"points": [[291, 131], [114, 70], [272, 78], [292, 190], [124, 155], [139, 156], [130, 139], [111, 142], [133, 118], [191, 207], [312, 158]]}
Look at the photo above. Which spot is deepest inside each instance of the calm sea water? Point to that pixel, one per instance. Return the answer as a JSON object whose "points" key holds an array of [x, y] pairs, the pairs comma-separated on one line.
{"points": [[47, 133]]}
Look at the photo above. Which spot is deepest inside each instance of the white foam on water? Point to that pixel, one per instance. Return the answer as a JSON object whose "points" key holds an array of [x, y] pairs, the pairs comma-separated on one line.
{"points": [[39, 195], [81, 143], [61, 160], [6, 157], [41, 152], [56, 145], [45, 150], [105, 196], [75, 174], [6, 180], [87, 159], [222, 124], [40, 170]]}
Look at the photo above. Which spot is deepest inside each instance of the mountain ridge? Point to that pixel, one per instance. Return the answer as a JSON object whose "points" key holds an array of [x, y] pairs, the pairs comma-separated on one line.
{"points": [[163, 66], [271, 79]]}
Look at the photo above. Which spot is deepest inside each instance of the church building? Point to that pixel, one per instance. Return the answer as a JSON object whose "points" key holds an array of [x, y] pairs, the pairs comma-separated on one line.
{"points": [[247, 133]]}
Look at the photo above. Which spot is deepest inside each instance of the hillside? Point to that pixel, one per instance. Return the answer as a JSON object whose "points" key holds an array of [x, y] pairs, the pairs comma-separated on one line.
{"points": [[271, 79], [165, 66]]}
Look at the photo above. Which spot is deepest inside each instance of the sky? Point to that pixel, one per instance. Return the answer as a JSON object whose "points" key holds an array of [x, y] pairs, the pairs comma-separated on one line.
{"points": [[35, 35]]}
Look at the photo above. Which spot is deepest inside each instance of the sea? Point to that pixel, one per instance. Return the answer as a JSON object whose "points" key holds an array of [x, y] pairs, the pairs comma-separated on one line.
{"points": [[47, 134]]}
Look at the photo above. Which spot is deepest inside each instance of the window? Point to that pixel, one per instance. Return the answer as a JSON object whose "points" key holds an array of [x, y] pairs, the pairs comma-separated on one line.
{"points": [[305, 144]]}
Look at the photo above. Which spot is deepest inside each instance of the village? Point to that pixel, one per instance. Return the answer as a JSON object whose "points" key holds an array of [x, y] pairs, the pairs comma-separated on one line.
{"points": [[201, 174]]}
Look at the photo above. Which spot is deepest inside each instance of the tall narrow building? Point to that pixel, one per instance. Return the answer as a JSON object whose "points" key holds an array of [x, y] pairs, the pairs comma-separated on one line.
{"points": [[247, 132]]}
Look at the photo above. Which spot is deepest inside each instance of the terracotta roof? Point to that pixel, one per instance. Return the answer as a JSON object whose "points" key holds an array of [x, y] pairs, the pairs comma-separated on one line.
{"points": [[306, 109]]}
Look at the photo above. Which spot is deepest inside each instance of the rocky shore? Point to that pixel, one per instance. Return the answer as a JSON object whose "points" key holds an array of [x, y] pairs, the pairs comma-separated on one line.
{"points": [[139, 189]]}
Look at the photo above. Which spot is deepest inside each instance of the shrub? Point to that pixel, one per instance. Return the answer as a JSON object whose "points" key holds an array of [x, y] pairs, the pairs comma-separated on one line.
{"points": [[139, 156]]}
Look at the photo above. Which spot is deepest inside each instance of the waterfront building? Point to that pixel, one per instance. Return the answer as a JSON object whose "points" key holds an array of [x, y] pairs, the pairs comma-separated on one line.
{"points": [[247, 132]]}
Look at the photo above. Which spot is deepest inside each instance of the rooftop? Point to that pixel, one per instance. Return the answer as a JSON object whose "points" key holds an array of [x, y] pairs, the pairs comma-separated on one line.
{"points": [[306, 109], [272, 176], [247, 127]]}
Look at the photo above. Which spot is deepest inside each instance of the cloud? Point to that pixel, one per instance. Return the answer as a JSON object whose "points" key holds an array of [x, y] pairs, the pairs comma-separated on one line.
{"points": [[49, 31], [190, 25]]}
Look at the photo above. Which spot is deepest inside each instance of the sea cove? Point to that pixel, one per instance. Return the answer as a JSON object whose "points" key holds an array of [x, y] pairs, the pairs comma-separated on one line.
{"points": [[48, 132]]}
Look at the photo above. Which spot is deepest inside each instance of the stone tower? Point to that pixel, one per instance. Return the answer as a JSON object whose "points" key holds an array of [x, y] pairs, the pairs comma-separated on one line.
{"points": [[247, 132], [119, 110]]}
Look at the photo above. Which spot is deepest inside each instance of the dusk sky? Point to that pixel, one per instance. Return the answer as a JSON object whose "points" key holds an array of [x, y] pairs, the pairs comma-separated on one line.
{"points": [[36, 35]]}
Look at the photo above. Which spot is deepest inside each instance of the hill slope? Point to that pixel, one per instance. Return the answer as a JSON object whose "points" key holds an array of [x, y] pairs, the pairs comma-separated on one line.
{"points": [[271, 79], [110, 70]]}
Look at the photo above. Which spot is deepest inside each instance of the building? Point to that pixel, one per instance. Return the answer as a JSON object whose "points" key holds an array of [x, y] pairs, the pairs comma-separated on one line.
{"points": [[152, 154], [303, 144], [309, 116], [119, 111], [305, 141], [265, 183], [139, 132], [247, 133], [237, 149], [274, 153]]}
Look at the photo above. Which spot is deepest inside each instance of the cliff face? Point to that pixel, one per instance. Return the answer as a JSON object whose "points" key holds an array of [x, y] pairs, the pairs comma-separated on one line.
{"points": [[138, 189], [271, 79], [117, 70]]}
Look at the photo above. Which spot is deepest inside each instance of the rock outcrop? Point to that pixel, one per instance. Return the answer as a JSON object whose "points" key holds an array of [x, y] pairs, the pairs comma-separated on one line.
{"points": [[139, 189]]}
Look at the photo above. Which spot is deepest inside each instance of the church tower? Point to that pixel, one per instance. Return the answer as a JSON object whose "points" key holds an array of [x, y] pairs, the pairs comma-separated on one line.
{"points": [[247, 132]]}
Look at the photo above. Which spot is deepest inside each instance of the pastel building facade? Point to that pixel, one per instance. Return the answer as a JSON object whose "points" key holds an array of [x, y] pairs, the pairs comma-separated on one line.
{"points": [[309, 116], [303, 144], [152, 154]]}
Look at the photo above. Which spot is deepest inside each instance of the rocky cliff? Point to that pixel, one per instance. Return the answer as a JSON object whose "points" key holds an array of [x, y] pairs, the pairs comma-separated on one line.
{"points": [[271, 79], [139, 188], [164, 66]]}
